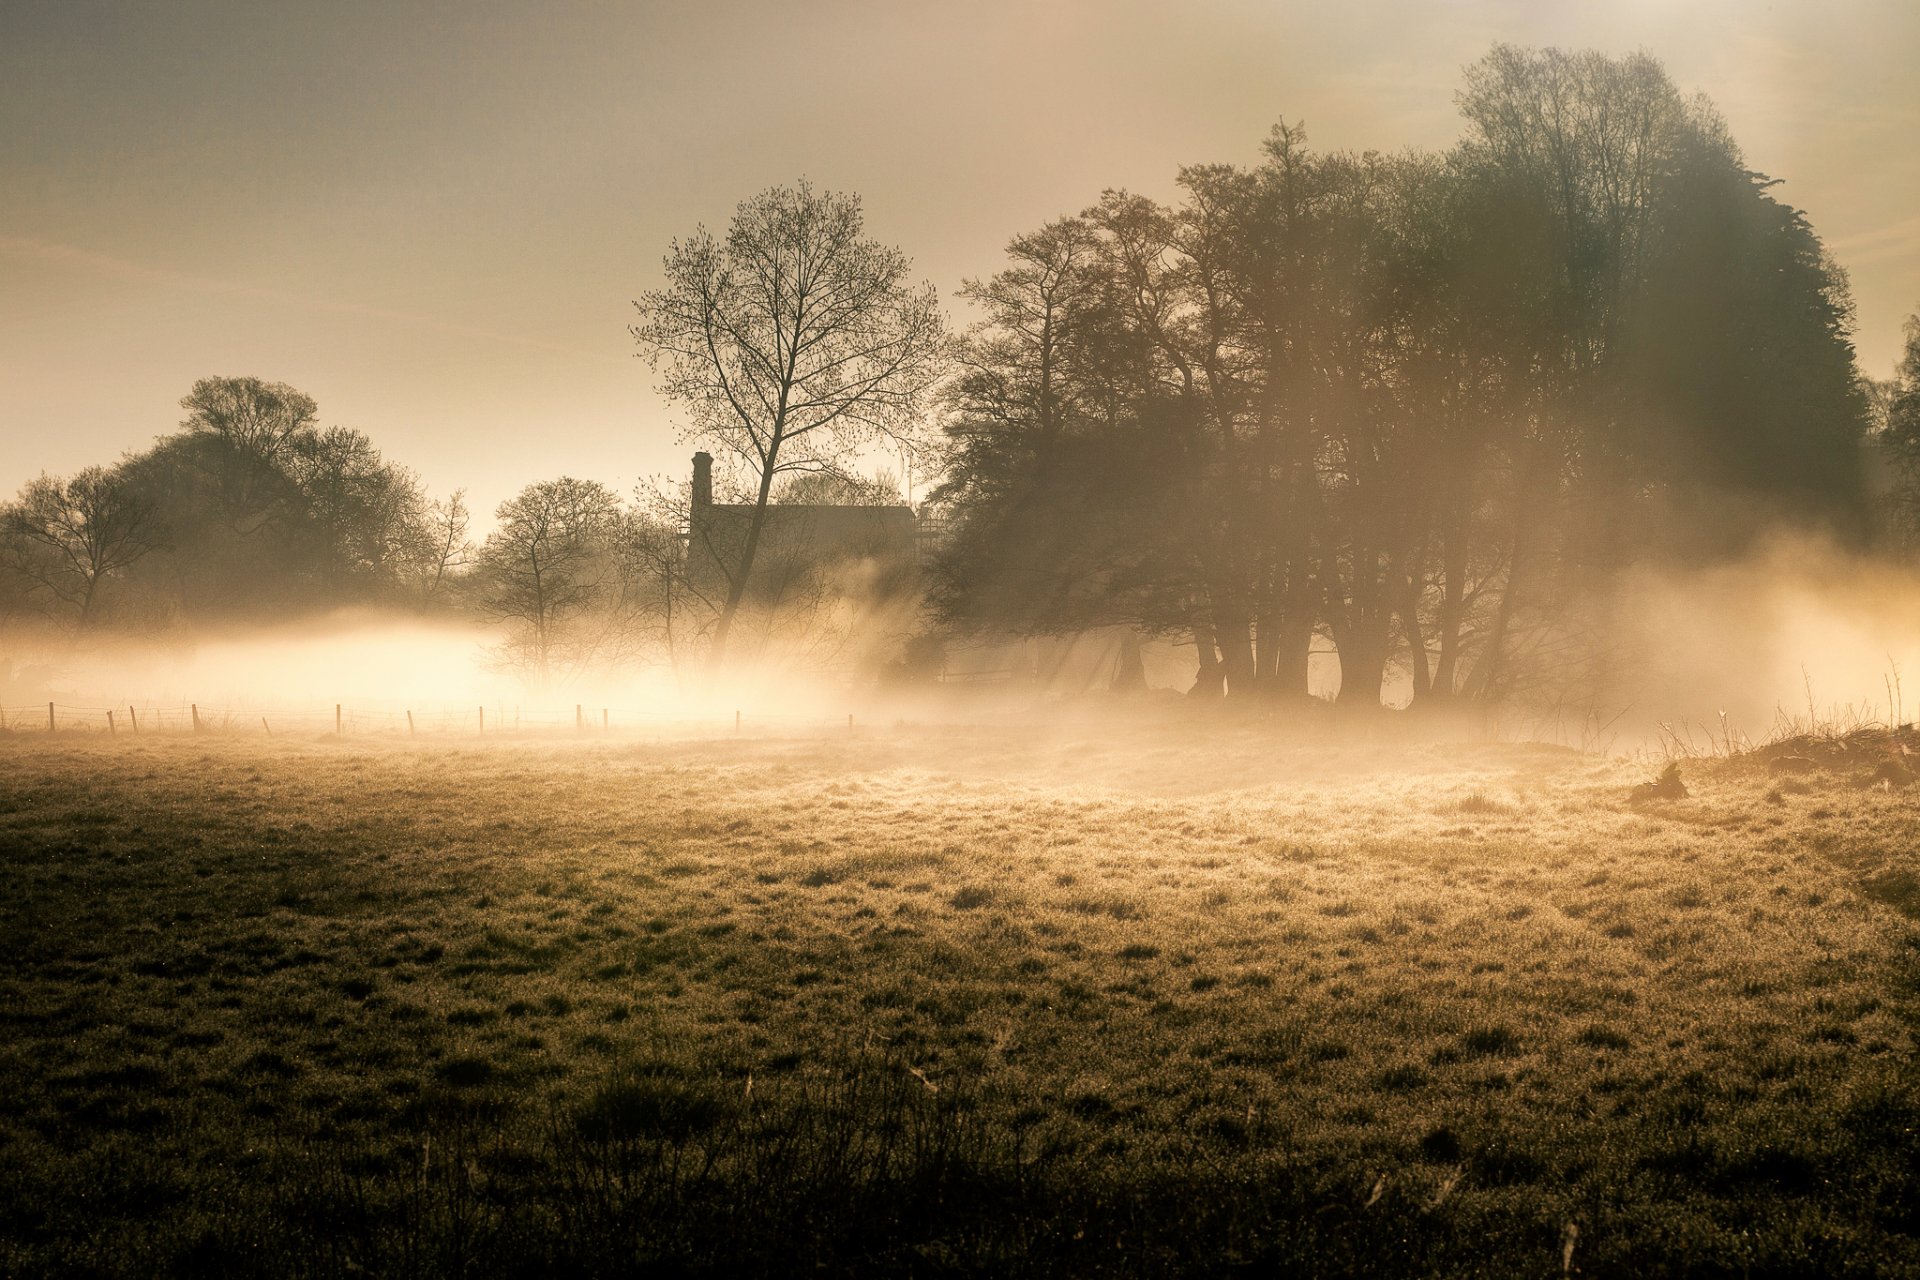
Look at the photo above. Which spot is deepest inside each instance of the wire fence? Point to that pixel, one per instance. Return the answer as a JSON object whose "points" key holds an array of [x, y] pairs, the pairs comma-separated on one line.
{"points": [[479, 720]]}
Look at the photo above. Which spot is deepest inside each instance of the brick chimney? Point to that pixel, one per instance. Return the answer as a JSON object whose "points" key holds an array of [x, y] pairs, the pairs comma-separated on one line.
{"points": [[703, 479]]}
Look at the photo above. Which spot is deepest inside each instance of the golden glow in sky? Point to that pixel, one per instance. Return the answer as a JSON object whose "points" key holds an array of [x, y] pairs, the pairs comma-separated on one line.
{"points": [[433, 218]]}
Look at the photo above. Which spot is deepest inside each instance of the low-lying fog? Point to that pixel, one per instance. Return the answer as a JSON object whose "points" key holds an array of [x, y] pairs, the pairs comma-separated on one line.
{"points": [[1798, 631]]}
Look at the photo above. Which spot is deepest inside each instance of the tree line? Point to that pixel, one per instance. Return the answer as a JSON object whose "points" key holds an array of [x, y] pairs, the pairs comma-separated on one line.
{"points": [[1418, 410], [254, 512], [1423, 406], [250, 510]]}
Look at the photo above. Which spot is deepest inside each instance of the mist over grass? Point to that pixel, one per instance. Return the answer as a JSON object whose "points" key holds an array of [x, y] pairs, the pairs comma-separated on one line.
{"points": [[1799, 635], [380, 666], [1799, 632]]}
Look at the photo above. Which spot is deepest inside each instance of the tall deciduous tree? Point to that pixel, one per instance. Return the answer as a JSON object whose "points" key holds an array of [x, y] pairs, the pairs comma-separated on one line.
{"points": [[246, 430], [68, 536], [1899, 401], [551, 560], [789, 343], [444, 545], [361, 517]]}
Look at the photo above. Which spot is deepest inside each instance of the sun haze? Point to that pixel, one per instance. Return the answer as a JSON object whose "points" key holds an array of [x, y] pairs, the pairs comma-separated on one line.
{"points": [[1213, 639], [433, 218]]}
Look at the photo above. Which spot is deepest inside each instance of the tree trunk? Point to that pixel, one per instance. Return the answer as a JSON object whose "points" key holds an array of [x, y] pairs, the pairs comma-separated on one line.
{"points": [[1484, 680], [1266, 648], [1207, 681], [1293, 671], [1286, 650], [737, 581], [1234, 636], [1363, 669], [1293, 664], [1409, 611], [1130, 674], [1453, 587]]}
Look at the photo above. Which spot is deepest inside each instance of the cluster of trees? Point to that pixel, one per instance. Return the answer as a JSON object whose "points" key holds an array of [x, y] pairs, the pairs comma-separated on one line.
{"points": [[252, 512], [1895, 405], [251, 509], [1422, 406]]}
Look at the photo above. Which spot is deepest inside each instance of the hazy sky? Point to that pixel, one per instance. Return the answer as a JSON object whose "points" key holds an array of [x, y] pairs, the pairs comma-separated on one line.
{"points": [[433, 217]]}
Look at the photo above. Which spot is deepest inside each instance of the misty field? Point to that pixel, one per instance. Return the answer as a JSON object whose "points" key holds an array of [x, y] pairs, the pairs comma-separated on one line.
{"points": [[1114, 999]]}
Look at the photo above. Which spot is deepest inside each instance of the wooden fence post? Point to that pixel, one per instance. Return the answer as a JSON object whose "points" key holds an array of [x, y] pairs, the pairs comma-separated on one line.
{"points": [[134, 717], [49, 717], [483, 719], [409, 724], [336, 719], [579, 718], [266, 726], [196, 715], [736, 722], [603, 720]]}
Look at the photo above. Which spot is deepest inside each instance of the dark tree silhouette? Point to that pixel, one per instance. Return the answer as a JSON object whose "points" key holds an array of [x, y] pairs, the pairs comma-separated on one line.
{"points": [[250, 510], [550, 562], [68, 537], [1424, 406], [1900, 433], [789, 343], [242, 432]]}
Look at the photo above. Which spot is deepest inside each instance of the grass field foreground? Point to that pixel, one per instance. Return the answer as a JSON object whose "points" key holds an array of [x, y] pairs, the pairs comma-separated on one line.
{"points": [[1173, 999]]}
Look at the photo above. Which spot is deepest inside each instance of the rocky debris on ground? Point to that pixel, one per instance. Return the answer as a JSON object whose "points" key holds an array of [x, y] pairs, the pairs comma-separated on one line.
{"points": [[1666, 787], [1870, 757]]}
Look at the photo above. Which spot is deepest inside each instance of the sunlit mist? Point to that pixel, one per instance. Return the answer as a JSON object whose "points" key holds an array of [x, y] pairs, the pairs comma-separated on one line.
{"points": [[1001, 640]]}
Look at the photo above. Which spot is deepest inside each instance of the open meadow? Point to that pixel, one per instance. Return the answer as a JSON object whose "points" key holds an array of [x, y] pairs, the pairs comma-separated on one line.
{"points": [[1109, 999]]}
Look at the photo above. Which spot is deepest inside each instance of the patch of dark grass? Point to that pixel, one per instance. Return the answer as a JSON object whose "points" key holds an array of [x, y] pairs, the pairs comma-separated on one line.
{"points": [[1441, 1145], [270, 1062], [1505, 1162], [1490, 1041], [467, 1072], [1899, 889], [1329, 1051], [1116, 907], [971, 897], [646, 1108], [1596, 1036], [1405, 1078]]}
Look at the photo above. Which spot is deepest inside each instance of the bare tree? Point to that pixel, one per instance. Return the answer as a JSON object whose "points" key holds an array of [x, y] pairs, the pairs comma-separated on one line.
{"points": [[361, 517], [68, 536], [449, 549], [549, 562], [790, 343], [1895, 406], [249, 427]]}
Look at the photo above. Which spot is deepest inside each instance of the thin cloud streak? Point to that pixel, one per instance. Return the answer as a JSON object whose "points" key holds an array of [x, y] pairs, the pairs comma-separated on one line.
{"points": [[65, 255], [1882, 244]]}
